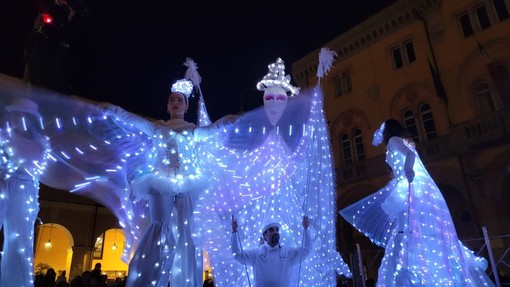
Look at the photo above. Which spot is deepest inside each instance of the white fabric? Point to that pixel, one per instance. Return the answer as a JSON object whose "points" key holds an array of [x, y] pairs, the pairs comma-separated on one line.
{"points": [[19, 194], [173, 180], [27, 148], [287, 168], [24, 105], [273, 266], [378, 135], [289, 175], [412, 222]]}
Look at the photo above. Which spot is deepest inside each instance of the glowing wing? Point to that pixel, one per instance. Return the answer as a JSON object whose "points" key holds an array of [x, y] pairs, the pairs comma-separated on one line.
{"points": [[91, 155]]}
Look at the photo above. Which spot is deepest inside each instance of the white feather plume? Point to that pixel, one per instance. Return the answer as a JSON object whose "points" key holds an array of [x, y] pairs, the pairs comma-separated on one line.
{"points": [[326, 58], [192, 72]]}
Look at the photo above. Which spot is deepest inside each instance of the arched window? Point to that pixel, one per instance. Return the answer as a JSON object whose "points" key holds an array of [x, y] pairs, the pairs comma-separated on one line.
{"points": [[484, 98], [346, 148], [358, 144], [427, 119], [410, 124]]}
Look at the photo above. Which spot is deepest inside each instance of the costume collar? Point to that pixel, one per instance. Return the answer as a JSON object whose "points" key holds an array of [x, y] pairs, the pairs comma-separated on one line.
{"points": [[271, 249]]}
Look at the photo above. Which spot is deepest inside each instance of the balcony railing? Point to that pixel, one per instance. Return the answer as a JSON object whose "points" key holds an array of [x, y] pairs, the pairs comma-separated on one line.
{"points": [[484, 131], [360, 170]]}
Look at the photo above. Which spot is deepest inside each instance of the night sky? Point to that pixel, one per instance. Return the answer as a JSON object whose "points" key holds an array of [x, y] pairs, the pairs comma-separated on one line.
{"points": [[129, 52]]}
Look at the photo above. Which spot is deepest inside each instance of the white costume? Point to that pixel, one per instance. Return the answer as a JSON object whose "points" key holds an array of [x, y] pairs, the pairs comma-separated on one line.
{"points": [[273, 266], [171, 178], [24, 152], [286, 174], [412, 222]]}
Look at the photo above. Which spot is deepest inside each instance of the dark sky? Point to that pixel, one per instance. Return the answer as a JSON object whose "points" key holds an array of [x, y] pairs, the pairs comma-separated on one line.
{"points": [[128, 52]]}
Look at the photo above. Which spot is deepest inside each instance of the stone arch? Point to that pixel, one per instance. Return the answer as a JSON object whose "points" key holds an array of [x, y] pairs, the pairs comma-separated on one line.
{"points": [[111, 257], [62, 242], [411, 96], [348, 119], [43, 230]]}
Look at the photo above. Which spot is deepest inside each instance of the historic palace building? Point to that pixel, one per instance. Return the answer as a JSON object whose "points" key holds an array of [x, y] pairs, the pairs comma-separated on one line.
{"points": [[442, 68]]}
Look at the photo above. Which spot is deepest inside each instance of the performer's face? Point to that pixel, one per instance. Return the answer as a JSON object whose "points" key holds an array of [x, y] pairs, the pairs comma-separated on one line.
{"points": [[275, 100], [272, 236], [177, 105]]}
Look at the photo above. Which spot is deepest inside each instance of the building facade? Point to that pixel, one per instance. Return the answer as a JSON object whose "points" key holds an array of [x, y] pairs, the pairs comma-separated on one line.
{"points": [[442, 68]]}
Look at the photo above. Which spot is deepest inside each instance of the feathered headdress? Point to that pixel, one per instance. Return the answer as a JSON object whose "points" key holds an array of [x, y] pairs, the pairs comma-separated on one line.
{"points": [[183, 87]]}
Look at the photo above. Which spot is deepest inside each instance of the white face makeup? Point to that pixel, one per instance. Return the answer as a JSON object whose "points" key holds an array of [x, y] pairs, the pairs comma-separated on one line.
{"points": [[275, 100]]}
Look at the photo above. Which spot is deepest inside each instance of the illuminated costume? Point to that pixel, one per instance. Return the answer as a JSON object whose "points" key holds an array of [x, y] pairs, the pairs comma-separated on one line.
{"points": [[126, 170], [24, 152], [273, 266], [412, 222], [172, 177], [289, 174]]}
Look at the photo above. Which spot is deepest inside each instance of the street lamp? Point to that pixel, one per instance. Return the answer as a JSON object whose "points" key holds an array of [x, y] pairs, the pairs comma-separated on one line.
{"points": [[114, 246], [48, 245]]}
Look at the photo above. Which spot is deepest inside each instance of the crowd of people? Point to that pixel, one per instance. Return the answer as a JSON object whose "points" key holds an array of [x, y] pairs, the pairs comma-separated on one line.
{"points": [[89, 278]]}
